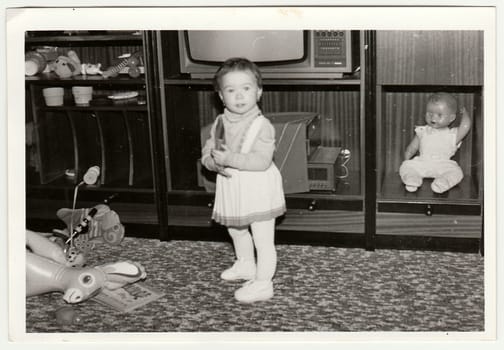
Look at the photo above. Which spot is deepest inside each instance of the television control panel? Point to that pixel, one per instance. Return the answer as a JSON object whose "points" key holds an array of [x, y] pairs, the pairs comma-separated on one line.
{"points": [[331, 47]]}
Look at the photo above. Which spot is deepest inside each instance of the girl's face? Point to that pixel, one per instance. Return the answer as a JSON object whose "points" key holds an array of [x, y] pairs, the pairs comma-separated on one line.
{"points": [[239, 91], [438, 115]]}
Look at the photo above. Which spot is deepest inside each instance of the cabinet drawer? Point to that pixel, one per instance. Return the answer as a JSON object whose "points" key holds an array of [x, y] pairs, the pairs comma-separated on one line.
{"points": [[322, 221], [294, 219], [404, 224]]}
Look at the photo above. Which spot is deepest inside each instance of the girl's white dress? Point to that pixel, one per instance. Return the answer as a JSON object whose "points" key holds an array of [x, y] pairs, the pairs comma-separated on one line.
{"points": [[249, 196]]}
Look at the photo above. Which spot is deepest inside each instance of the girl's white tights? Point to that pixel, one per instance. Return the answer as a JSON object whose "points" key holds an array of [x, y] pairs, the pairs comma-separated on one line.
{"points": [[263, 233]]}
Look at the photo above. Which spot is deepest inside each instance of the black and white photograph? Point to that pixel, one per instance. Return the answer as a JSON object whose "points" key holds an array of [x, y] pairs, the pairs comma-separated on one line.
{"points": [[248, 174]]}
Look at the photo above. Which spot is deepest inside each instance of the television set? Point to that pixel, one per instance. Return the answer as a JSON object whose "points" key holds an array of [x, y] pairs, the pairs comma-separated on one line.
{"points": [[282, 54]]}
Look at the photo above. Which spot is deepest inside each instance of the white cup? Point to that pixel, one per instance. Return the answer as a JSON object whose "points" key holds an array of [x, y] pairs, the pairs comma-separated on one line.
{"points": [[82, 95], [53, 96]]}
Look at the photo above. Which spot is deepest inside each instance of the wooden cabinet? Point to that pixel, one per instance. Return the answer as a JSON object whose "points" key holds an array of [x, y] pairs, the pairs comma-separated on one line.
{"points": [[190, 105], [429, 57], [149, 148], [110, 132], [411, 65]]}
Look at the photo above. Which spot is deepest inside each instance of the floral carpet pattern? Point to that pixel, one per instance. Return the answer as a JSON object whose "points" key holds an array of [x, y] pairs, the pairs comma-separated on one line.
{"points": [[317, 289]]}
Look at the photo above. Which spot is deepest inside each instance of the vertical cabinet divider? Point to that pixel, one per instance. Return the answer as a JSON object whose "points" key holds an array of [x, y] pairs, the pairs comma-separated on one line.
{"points": [[103, 175], [130, 148], [75, 145]]}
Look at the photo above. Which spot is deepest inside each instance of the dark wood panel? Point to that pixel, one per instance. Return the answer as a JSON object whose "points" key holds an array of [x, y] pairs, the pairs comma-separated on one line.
{"points": [[463, 226], [430, 57], [294, 220], [138, 213]]}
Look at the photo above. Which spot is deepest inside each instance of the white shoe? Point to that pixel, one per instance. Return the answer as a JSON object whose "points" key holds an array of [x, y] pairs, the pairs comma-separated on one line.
{"points": [[241, 270], [253, 291]]}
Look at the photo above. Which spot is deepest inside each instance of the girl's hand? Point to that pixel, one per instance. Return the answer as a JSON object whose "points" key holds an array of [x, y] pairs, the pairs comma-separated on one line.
{"points": [[223, 171], [220, 157]]}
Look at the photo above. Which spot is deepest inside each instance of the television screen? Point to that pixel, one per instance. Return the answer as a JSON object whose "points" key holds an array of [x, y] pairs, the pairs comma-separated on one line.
{"points": [[259, 46]]}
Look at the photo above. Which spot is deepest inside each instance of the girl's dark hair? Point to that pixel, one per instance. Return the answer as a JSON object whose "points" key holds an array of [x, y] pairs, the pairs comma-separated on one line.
{"points": [[236, 64]]}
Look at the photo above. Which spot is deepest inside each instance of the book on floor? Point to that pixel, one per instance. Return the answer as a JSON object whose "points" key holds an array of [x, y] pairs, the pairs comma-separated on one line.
{"points": [[129, 297]]}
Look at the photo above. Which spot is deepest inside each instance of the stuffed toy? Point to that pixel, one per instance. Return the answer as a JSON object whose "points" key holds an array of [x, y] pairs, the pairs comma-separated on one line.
{"points": [[67, 66]]}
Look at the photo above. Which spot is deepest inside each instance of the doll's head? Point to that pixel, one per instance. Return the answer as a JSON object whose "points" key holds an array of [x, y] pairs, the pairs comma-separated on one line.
{"points": [[239, 84], [441, 110]]}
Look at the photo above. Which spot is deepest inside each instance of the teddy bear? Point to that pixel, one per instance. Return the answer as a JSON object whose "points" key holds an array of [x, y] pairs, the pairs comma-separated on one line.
{"points": [[67, 66]]}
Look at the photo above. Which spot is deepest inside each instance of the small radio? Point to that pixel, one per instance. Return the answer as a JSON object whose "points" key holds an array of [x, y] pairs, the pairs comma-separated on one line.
{"points": [[322, 168]]}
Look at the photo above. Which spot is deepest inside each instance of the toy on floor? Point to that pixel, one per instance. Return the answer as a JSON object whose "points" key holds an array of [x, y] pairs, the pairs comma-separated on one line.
{"points": [[46, 271], [66, 316], [132, 62], [99, 222], [436, 143]]}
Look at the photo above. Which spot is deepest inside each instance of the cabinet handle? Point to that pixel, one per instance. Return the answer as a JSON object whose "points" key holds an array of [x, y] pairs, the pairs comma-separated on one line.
{"points": [[428, 210], [313, 205], [210, 204]]}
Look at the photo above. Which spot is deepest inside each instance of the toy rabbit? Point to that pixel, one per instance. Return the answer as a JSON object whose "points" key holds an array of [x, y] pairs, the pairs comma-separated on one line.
{"points": [[46, 271]]}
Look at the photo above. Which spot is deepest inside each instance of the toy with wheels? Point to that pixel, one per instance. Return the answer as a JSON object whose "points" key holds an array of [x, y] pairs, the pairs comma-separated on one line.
{"points": [[132, 62]]}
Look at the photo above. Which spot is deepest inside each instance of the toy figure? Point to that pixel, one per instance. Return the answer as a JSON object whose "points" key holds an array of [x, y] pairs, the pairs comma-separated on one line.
{"points": [[132, 62], [105, 223], [67, 66], [46, 271], [436, 143], [34, 63], [91, 69]]}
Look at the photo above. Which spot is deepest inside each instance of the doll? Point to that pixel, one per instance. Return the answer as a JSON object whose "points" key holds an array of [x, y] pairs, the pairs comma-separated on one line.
{"points": [[436, 142]]}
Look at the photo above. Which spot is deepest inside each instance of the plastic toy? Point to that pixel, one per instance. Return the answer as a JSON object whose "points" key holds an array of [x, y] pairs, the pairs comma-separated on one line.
{"points": [[66, 316], [132, 62], [91, 69], [67, 66], [46, 271], [34, 63], [102, 223]]}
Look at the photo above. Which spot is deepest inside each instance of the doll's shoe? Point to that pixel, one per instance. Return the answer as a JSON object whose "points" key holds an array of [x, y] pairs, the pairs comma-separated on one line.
{"points": [[440, 185], [411, 188], [241, 270], [411, 182], [254, 290]]}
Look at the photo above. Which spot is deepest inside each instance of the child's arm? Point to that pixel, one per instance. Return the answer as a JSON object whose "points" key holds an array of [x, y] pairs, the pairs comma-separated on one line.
{"points": [[412, 148], [464, 127], [206, 154], [258, 159]]}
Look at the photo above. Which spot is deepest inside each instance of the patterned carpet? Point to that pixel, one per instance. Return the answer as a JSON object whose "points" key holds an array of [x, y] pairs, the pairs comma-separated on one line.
{"points": [[316, 289]]}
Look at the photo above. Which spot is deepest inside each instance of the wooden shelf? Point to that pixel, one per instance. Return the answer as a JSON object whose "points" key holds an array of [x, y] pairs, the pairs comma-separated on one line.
{"points": [[393, 189], [273, 82], [87, 39], [129, 107], [53, 79]]}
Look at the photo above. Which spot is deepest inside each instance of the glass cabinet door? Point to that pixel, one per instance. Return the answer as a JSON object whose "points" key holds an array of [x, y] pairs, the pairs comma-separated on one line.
{"points": [[319, 138]]}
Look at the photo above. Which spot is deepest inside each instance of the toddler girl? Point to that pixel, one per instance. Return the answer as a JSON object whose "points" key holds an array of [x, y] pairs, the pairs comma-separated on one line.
{"points": [[249, 189], [436, 143]]}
